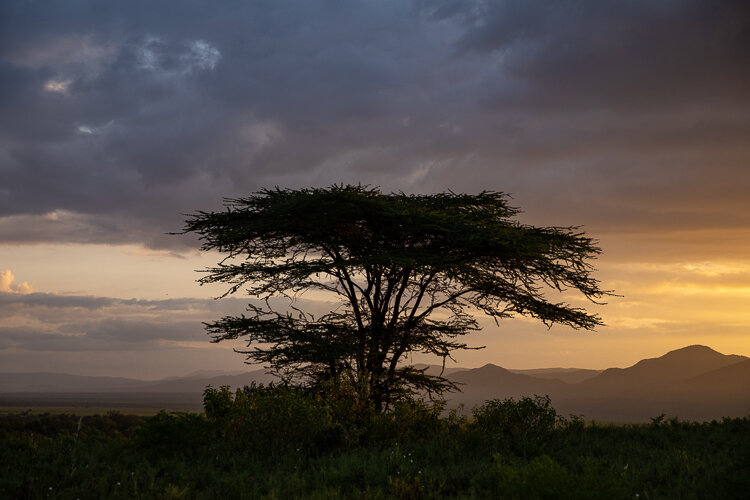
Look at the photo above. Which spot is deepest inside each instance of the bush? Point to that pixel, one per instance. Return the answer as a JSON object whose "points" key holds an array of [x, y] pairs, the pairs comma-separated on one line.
{"points": [[174, 434], [523, 425], [269, 419], [272, 418]]}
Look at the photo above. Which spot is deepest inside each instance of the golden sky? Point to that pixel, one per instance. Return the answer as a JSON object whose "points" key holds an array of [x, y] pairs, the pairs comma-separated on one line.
{"points": [[664, 305]]}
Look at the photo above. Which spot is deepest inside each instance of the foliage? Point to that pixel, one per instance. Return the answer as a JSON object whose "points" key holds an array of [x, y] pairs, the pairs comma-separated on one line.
{"points": [[525, 424], [414, 452], [179, 433], [111, 425], [406, 272], [273, 418], [270, 419]]}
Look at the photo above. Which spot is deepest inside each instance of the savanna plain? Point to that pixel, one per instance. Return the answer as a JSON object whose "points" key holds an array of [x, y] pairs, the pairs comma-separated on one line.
{"points": [[280, 442]]}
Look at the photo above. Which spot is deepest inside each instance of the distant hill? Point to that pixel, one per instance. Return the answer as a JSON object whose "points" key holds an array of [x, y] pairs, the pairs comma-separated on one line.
{"points": [[198, 384], [569, 375], [211, 373], [694, 382], [735, 377], [492, 381], [656, 373], [61, 382], [436, 370]]}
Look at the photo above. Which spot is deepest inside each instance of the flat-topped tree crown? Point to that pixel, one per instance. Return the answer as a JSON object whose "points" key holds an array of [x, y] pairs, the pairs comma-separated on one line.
{"points": [[407, 270]]}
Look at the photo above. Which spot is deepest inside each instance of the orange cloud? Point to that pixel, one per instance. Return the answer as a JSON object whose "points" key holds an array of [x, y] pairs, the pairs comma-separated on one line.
{"points": [[7, 284]]}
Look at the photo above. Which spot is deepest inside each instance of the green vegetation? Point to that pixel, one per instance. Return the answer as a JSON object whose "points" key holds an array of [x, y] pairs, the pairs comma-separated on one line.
{"points": [[281, 442]]}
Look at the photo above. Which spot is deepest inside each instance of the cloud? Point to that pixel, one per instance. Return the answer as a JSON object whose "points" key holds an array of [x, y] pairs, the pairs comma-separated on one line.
{"points": [[52, 322], [56, 301], [7, 284], [169, 60], [609, 114], [57, 86], [63, 226], [104, 336], [611, 54], [65, 52], [93, 129], [49, 322], [201, 56]]}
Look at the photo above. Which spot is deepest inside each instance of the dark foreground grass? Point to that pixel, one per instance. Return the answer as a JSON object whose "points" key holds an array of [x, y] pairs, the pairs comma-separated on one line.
{"points": [[284, 444]]}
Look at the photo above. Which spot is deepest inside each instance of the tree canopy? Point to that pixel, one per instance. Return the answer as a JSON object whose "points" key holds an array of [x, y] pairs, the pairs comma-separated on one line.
{"points": [[408, 272]]}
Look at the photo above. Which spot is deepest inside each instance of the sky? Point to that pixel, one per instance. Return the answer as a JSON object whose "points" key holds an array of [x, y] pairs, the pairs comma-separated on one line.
{"points": [[629, 119]]}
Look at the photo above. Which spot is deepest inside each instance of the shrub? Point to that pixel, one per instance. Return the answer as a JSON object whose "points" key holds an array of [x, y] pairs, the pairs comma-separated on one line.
{"points": [[174, 434], [269, 419], [523, 425]]}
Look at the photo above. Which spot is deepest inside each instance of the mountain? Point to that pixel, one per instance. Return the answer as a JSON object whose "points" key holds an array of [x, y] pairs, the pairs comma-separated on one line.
{"points": [[56, 382], [210, 373], [735, 377], [694, 383], [436, 370], [492, 381], [198, 384], [569, 375], [655, 374]]}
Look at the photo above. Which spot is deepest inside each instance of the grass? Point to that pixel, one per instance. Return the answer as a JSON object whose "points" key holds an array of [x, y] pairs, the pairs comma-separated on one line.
{"points": [[285, 444]]}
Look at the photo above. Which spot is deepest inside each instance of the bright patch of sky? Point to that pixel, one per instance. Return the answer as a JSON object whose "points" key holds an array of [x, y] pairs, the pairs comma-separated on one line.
{"points": [[92, 129], [8, 284], [57, 86]]}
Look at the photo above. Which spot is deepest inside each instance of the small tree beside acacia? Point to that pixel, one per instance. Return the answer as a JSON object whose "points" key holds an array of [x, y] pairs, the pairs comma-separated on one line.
{"points": [[407, 272]]}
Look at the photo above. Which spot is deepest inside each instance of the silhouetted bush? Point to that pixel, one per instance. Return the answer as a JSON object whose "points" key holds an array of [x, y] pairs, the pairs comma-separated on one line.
{"points": [[269, 419], [274, 418], [522, 425], [174, 434]]}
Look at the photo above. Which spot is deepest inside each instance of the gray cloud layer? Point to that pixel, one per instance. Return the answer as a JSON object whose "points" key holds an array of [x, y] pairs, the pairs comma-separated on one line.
{"points": [[118, 118], [49, 322]]}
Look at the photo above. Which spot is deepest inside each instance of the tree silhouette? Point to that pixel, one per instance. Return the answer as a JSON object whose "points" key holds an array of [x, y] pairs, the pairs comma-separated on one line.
{"points": [[408, 273]]}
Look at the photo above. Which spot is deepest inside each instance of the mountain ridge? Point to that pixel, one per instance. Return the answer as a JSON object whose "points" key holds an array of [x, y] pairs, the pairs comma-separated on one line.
{"points": [[694, 382], [652, 373]]}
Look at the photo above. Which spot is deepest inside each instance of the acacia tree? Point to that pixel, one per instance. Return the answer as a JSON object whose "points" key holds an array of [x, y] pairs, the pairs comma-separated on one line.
{"points": [[408, 273]]}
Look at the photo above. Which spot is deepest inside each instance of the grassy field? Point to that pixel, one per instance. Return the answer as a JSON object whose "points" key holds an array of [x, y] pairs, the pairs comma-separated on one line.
{"points": [[264, 443]]}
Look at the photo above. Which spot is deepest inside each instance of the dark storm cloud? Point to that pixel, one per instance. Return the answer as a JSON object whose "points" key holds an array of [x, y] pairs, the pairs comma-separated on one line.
{"points": [[616, 55], [117, 118]]}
